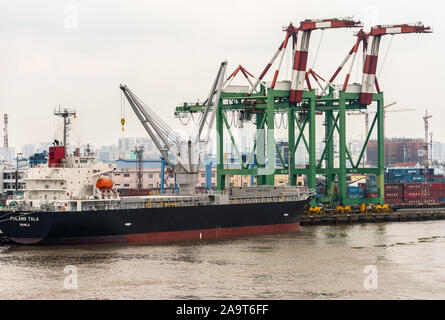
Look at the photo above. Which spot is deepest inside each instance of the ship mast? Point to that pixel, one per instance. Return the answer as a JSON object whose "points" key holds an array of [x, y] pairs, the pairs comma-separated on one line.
{"points": [[65, 113]]}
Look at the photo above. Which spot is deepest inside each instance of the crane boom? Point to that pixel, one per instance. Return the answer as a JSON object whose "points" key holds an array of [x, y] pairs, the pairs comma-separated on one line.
{"points": [[152, 124], [212, 101], [187, 153]]}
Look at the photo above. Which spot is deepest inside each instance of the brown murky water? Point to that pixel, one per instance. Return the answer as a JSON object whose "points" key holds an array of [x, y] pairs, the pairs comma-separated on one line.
{"points": [[316, 263]]}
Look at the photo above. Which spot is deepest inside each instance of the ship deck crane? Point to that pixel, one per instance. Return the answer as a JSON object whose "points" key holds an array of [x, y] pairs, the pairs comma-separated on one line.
{"points": [[187, 152]]}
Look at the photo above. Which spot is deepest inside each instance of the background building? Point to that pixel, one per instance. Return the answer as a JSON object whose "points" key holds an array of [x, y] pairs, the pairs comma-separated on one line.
{"points": [[398, 150], [7, 177]]}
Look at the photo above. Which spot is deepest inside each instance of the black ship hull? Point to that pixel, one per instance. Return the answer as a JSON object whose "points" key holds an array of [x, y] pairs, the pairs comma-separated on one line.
{"points": [[152, 225]]}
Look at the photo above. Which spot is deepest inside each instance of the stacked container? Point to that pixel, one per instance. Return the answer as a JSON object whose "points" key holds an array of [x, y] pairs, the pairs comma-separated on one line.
{"points": [[394, 193], [356, 192], [371, 187], [415, 193]]}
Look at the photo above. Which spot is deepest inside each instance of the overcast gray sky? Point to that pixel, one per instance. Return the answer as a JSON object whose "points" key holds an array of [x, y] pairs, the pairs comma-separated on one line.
{"points": [[168, 52]]}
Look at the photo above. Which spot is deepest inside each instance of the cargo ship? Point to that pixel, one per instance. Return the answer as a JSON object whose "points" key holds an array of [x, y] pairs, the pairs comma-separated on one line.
{"points": [[69, 200]]}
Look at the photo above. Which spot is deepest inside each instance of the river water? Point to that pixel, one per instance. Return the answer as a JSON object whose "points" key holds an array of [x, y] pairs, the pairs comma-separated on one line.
{"points": [[406, 261]]}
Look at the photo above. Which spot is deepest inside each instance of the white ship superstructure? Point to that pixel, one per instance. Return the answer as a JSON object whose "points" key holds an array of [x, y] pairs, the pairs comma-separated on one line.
{"points": [[75, 181], [63, 182]]}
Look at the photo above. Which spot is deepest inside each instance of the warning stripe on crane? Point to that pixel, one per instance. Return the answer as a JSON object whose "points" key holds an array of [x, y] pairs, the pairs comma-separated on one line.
{"points": [[302, 47], [370, 67], [369, 70], [400, 28], [299, 67]]}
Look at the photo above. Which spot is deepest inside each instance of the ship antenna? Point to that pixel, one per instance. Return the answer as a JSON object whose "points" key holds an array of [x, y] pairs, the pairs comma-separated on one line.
{"points": [[65, 113]]}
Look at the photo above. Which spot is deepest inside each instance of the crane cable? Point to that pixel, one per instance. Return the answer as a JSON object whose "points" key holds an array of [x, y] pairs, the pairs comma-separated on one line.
{"points": [[386, 55], [318, 49], [280, 123], [163, 127], [187, 122], [285, 122], [122, 110]]}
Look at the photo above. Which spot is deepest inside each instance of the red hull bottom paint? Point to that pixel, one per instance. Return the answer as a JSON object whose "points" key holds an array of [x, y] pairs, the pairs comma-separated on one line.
{"points": [[205, 234], [170, 236]]}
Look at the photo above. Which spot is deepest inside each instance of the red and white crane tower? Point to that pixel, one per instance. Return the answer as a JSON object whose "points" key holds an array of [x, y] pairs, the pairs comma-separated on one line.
{"points": [[300, 40], [371, 45]]}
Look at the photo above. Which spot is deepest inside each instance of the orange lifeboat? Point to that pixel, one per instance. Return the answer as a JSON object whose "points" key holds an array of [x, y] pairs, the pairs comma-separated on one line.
{"points": [[104, 184]]}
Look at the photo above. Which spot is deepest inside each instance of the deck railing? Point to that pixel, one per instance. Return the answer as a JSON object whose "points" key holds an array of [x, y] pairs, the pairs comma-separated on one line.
{"points": [[155, 202]]}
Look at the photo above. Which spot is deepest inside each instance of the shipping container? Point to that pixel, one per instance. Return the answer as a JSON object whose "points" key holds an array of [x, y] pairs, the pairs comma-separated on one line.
{"points": [[393, 187], [394, 195], [414, 186]]}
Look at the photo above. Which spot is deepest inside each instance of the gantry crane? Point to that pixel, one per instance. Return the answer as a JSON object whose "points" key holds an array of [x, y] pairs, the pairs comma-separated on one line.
{"points": [[302, 104], [187, 153]]}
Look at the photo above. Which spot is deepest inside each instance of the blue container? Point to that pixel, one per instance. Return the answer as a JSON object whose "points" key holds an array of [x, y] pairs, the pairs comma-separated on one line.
{"points": [[353, 190]]}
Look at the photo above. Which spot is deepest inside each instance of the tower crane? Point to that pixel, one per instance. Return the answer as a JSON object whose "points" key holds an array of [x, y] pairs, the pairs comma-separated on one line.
{"points": [[366, 113], [187, 152], [425, 120]]}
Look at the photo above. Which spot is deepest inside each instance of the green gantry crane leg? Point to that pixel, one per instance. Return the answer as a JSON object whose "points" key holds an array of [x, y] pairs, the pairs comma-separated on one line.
{"points": [[271, 144], [291, 143], [329, 160], [220, 176], [266, 165], [342, 148], [380, 178], [260, 145], [312, 145], [334, 110]]}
